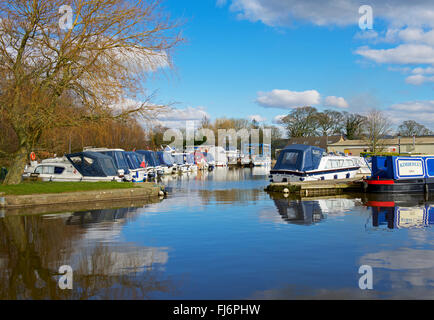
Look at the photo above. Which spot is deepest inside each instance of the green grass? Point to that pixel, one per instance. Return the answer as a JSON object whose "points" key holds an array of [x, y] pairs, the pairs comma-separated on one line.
{"points": [[59, 187]]}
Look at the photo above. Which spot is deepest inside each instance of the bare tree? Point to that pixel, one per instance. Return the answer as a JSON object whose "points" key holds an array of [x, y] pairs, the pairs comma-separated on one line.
{"points": [[52, 78], [411, 128], [377, 126]]}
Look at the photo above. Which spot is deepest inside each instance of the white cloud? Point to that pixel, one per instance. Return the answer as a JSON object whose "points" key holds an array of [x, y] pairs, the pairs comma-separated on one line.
{"points": [[334, 12], [420, 111], [429, 70], [257, 118], [333, 101], [418, 79], [176, 118], [278, 119], [409, 24], [402, 54], [285, 99]]}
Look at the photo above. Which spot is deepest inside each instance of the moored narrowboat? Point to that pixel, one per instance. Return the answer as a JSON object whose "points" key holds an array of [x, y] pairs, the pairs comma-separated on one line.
{"points": [[401, 174]]}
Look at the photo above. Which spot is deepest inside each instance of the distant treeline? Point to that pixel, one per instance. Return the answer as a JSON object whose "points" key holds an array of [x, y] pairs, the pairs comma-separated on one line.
{"points": [[309, 122]]}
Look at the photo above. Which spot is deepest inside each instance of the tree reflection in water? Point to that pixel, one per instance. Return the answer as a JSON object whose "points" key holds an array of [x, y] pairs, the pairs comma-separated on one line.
{"points": [[32, 248]]}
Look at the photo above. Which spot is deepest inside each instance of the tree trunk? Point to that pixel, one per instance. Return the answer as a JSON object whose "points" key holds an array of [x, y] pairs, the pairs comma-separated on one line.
{"points": [[16, 170]]}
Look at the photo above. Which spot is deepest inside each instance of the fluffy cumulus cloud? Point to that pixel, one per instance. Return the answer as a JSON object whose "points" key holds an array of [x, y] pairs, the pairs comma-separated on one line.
{"points": [[176, 118], [337, 102], [286, 99], [278, 119], [420, 111], [333, 12], [408, 25], [421, 75], [402, 54]]}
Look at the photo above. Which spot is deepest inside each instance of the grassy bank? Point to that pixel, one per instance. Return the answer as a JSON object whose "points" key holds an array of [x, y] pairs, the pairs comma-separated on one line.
{"points": [[27, 188]]}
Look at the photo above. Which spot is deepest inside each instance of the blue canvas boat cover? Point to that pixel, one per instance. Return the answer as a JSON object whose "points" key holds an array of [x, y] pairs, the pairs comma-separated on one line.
{"points": [[149, 158], [92, 164], [133, 160], [118, 158], [299, 157], [165, 158]]}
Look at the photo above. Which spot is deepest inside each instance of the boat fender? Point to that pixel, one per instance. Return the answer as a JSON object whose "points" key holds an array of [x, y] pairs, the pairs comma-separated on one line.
{"points": [[286, 190]]}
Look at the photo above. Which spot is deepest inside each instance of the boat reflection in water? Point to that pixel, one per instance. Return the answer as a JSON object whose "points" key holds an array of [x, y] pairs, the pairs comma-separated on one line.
{"points": [[401, 211], [310, 211], [104, 266]]}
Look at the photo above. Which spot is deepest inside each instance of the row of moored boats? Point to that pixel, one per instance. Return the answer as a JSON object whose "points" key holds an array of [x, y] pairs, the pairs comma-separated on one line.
{"points": [[104, 164]]}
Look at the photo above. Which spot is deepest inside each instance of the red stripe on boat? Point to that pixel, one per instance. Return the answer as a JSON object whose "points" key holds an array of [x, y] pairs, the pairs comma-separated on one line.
{"points": [[380, 181], [380, 203]]}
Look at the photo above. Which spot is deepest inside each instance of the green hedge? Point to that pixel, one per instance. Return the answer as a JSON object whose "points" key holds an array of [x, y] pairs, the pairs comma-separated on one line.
{"points": [[370, 154]]}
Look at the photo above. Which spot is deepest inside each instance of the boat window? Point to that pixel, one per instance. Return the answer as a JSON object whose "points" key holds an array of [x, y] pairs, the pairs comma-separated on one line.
{"points": [[45, 170], [332, 164], [88, 161], [76, 160], [290, 158], [349, 163], [341, 163], [58, 170], [107, 164]]}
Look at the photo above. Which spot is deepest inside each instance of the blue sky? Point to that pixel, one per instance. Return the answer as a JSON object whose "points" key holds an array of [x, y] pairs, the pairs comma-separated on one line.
{"points": [[246, 58]]}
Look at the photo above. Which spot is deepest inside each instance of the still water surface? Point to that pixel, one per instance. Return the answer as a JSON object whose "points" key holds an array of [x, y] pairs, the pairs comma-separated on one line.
{"points": [[218, 235]]}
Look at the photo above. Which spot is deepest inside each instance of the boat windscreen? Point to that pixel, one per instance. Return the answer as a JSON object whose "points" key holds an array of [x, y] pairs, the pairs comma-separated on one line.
{"points": [[289, 160], [149, 159], [155, 158], [119, 159], [299, 157], [132, 160]]}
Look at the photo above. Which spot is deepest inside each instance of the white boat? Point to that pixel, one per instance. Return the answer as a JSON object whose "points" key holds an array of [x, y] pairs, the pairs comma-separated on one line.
{"points": [[152, 163], [180, 160], [219, 155], [365, 166], [233, 155], [308, 163], [82, 166], [167, 162]]}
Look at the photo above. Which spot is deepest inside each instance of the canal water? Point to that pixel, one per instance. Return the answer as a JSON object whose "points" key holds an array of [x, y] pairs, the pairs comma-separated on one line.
{"points": [[219, 235]]}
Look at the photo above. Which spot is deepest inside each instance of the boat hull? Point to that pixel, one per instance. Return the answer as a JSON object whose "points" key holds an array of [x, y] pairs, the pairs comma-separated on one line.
{"points": [[314, 175], [399, 186]]}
